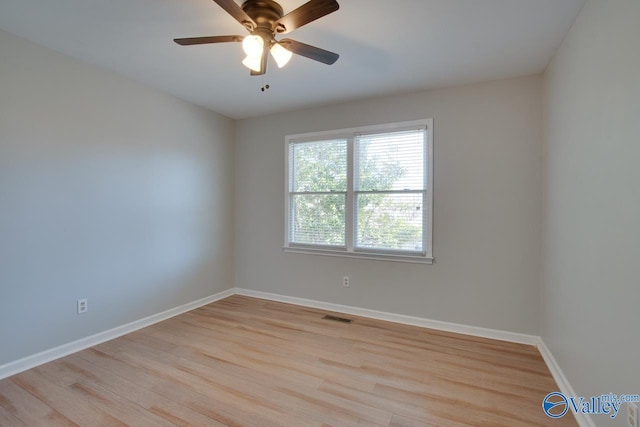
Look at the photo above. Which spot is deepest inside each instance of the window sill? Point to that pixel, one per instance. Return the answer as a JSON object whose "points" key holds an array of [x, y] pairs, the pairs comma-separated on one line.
{"points": [[414, 259]]}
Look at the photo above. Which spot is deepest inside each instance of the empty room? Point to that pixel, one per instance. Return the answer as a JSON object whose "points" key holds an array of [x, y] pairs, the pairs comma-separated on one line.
{"points": [[322, 213]]}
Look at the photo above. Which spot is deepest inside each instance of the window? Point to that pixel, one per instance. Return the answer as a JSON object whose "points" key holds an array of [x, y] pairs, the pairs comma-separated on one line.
{"points": [[364, 192]]}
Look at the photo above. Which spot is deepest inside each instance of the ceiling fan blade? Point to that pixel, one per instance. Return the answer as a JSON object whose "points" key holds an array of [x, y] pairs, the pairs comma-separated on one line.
{"points": [[309, 51], [238, 14], [206, 40], [306, 13]]}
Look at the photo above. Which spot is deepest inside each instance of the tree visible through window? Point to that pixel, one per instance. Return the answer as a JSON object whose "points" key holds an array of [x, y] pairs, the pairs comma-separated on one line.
{"points": [[364, 192], [389, 187], [319, 189]]}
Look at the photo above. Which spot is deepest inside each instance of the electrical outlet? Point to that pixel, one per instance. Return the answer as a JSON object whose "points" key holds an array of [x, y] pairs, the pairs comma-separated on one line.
{"points": [[345, 281], [632, 414], [83, 306]]}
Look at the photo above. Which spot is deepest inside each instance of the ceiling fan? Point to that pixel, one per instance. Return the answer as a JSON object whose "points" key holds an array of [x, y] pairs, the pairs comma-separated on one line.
{"points": [[264, 19]]}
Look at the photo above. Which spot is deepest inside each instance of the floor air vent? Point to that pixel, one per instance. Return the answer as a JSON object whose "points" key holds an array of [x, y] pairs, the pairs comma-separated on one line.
{"points": [[337, 319]]}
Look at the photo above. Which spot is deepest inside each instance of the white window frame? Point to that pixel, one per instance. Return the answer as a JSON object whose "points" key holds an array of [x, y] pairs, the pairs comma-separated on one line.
{"points": [[349, 251]]}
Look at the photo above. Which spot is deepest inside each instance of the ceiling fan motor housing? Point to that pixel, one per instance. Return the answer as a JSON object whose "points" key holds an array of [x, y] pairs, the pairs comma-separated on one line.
{"points": [[264, 13]]}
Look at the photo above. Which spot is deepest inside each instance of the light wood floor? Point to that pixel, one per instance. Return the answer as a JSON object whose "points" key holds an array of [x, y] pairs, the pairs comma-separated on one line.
{"points": [[249, 362]]}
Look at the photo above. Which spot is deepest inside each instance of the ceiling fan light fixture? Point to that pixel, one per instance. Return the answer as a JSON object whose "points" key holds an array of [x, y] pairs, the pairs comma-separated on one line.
{"points": [[253, 62], [253, 45], [280, 54]]}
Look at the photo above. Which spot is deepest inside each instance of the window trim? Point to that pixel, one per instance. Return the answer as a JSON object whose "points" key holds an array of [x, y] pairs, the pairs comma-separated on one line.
{"points": [[349, 251]]}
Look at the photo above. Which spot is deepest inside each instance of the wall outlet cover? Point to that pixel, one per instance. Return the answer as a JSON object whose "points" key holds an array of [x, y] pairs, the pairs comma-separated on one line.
{"points": [[83, 306]]}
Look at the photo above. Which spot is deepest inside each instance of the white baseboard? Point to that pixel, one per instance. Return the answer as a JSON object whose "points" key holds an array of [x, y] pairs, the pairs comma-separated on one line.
{"points": [[397, 318], [562, 381], [34, 360]]}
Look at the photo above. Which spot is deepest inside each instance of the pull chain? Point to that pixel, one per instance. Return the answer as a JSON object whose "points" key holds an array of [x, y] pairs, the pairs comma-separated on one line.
{"points": [[264, 86]]}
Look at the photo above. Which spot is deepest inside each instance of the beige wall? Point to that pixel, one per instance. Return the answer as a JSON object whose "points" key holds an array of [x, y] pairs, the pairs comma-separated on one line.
{"points": [[591, 280], [109, 190], [487, 211]]}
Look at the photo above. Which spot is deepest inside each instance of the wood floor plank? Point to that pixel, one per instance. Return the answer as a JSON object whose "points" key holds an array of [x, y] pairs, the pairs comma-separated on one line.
{"points": [[9, 419], [27, 408], [132, 389], [64, 401], [249, 362], [215, 402]]}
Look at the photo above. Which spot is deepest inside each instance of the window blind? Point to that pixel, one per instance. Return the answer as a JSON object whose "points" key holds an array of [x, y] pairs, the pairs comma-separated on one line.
{"points": [[390, 188], [318, 185]]}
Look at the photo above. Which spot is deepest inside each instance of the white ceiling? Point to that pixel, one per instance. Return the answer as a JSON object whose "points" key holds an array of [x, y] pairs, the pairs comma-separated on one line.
{"points": [[385, 46]]}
